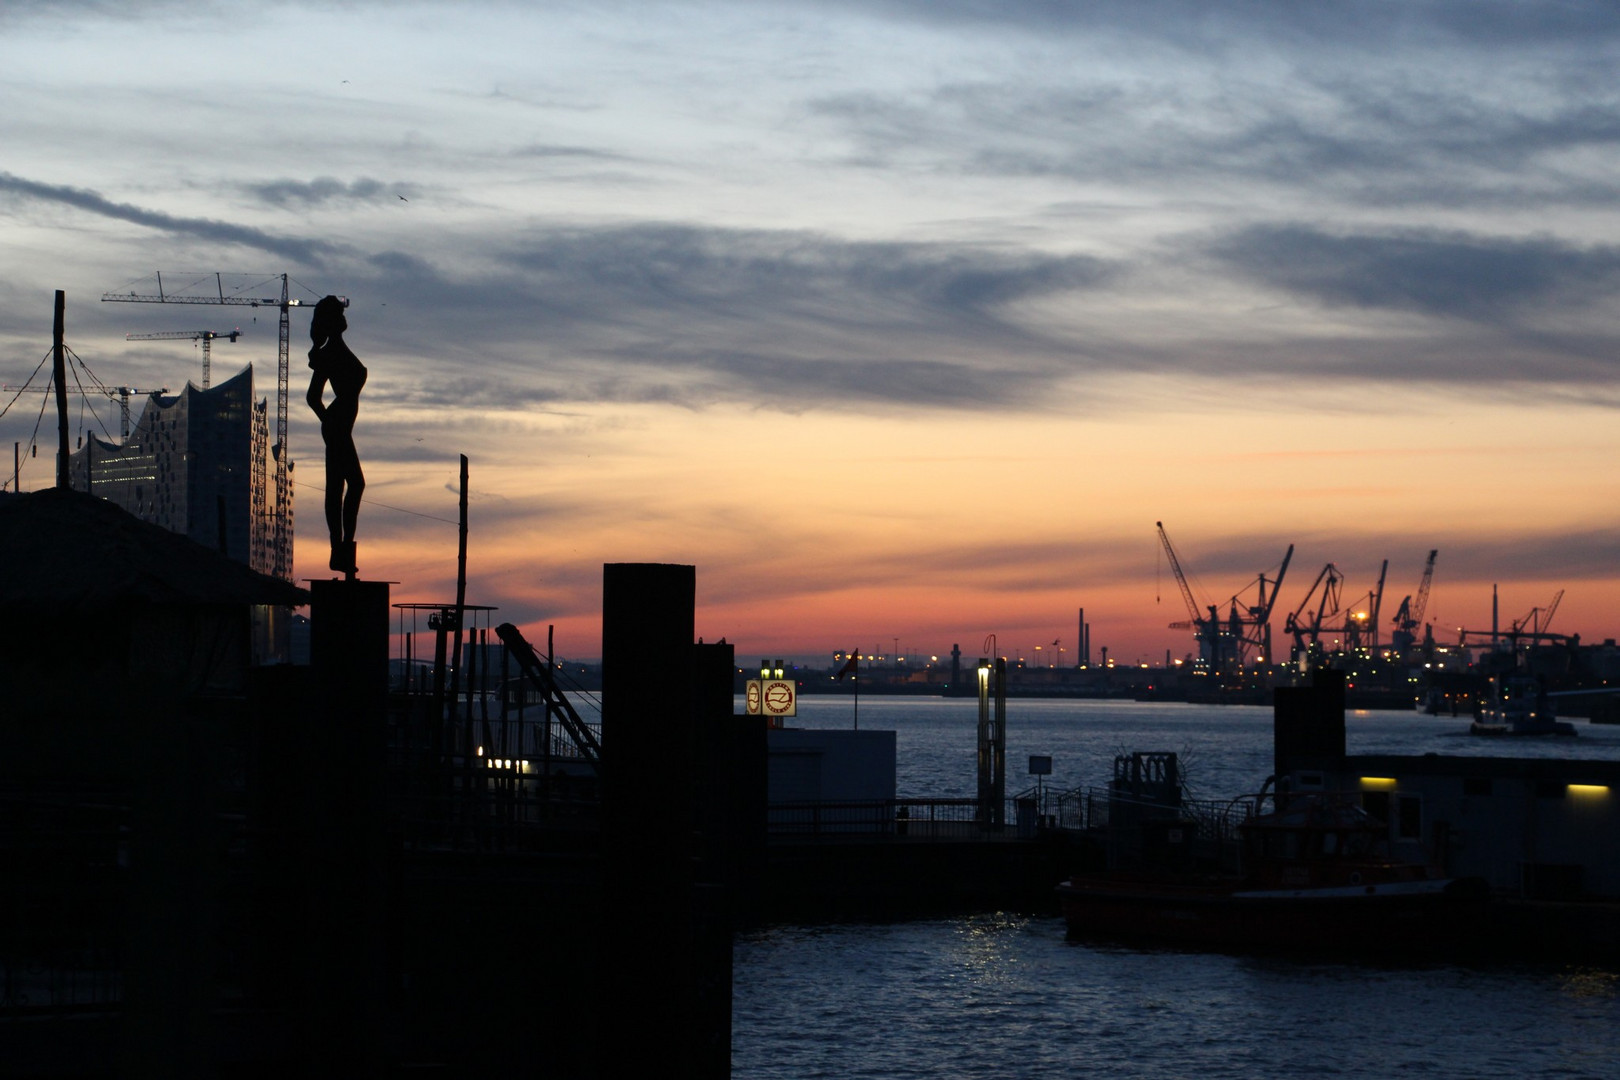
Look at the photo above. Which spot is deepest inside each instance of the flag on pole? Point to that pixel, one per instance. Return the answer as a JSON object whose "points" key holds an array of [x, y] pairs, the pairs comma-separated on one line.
{"points": [[850, 667]]}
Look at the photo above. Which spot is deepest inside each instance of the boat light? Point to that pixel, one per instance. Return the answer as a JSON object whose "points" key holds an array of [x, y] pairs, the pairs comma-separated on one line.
{"points": [[1377, 782], [1589, 791]]}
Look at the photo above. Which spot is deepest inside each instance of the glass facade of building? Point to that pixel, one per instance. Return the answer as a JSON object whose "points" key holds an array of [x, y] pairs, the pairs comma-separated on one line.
{"points": [[196, 463]]}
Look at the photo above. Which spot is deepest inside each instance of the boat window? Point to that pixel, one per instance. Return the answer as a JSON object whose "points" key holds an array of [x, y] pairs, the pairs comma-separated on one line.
{"points": [[1330, 843]]}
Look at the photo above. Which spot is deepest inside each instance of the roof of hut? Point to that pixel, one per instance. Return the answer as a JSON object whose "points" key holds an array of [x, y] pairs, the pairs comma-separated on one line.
{"points": [[65, 549]]}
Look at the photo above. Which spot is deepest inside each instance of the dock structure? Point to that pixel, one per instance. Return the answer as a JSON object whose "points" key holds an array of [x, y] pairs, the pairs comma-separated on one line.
{"points": [[258, 864]]}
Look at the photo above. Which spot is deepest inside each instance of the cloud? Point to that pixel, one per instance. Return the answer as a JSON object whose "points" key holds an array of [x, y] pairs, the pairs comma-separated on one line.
{"points": [[1413, 112], [687, 314], [1198, 26], [306, 251], [549, 150], [327, 189], [1441, 273]]}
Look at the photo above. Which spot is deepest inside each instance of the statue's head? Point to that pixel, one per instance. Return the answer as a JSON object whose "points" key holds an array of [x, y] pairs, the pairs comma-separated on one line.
{"points": [[328, 320]]}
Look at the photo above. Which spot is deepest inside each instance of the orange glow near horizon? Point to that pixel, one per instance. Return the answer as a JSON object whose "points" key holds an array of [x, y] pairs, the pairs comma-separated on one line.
{"points": [[817, 532]]}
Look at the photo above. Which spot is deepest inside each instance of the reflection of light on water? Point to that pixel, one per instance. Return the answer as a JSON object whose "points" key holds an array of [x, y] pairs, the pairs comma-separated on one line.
{"points": [[993, 996], [986, 947], [1590, 983]]}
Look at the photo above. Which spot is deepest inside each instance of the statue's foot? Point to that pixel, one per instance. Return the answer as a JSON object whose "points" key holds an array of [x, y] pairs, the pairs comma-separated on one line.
{"points": [[343, 558]]}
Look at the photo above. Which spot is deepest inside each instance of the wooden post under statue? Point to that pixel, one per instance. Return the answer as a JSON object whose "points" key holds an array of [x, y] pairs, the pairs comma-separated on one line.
{"points": [[344, 865]]}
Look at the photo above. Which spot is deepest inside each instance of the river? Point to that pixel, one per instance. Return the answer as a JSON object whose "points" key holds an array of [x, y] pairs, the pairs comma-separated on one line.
{"points": [[1008, 995]]}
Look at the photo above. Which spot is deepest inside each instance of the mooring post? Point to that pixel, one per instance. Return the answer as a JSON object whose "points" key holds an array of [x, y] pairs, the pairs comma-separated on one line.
{"points": [[663, 963]]}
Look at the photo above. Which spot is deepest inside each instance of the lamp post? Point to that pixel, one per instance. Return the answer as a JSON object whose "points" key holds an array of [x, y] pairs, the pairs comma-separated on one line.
{"points": [[992, 741]]}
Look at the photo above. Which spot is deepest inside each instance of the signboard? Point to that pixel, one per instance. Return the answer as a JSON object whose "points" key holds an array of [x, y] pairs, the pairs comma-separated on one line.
{"points": [[780, 697], [1040, 765], [752, 694]]}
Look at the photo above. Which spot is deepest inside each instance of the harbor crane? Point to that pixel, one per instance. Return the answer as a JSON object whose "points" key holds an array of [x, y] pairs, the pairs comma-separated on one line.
{"points": [[1524, 638], [1355, 623], [1377, 605], [1409, 616], [279, 451], [1538, 619], [205, 336], [1225, 643], [1307, 628]]}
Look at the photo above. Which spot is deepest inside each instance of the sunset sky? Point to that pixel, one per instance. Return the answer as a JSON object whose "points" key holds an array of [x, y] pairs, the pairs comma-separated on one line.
{"points": [[901, 320]]}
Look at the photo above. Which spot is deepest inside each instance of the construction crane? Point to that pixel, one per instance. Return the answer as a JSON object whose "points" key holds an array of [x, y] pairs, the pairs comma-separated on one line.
{"points": [[205, 336], [1225, 643], [123, 395], [282, 557], [1409, 616]]}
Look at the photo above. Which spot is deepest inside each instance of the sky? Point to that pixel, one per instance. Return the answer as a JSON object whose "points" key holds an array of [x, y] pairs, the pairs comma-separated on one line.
{"points": [[903, 322]]}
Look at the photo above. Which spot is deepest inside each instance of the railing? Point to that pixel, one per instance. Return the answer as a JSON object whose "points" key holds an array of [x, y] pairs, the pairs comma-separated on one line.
{"points": [[488, 803], [907, 819]]}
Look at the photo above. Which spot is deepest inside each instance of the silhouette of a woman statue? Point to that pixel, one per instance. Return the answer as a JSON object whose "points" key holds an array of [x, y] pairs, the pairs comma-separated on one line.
{"points": [[332, 362]]}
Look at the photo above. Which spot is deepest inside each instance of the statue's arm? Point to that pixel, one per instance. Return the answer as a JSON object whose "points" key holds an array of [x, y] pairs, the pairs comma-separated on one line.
{"points": [[317, 387]]}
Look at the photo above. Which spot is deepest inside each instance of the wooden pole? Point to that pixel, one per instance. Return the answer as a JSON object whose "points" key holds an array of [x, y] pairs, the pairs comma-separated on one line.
{"points": [[59, 373], [461, 599]]}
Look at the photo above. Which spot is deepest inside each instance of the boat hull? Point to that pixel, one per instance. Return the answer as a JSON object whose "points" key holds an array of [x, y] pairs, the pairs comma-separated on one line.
{"points": [[1368, 918], [1555, 727]]}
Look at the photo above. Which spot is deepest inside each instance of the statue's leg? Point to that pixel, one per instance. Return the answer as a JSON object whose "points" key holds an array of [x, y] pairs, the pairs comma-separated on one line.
{"points": [[334, 497], [351, 501]]}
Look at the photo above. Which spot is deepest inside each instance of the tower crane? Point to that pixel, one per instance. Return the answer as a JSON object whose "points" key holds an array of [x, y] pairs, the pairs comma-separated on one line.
{"points": [[123, 394], [282, 558], [205, 336]]}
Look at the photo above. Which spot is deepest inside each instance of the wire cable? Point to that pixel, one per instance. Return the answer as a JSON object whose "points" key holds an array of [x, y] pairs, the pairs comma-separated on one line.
{"points": [[297, 484]]}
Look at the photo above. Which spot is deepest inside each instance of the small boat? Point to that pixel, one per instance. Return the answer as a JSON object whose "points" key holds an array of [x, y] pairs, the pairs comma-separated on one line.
{"points": [[1318, 874], [1517, 705]]}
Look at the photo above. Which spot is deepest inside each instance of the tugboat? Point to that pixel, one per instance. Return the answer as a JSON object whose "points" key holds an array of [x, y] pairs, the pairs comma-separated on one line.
{"points": [[1517, 705], [1318, 874]]}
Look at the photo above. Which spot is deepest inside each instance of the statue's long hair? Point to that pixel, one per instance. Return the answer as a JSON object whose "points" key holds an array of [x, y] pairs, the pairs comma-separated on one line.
{"points": [[327, 321]]}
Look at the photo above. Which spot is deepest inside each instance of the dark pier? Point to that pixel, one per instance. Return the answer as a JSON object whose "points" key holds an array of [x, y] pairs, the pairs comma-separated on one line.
{"points": [[219, 869]]}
